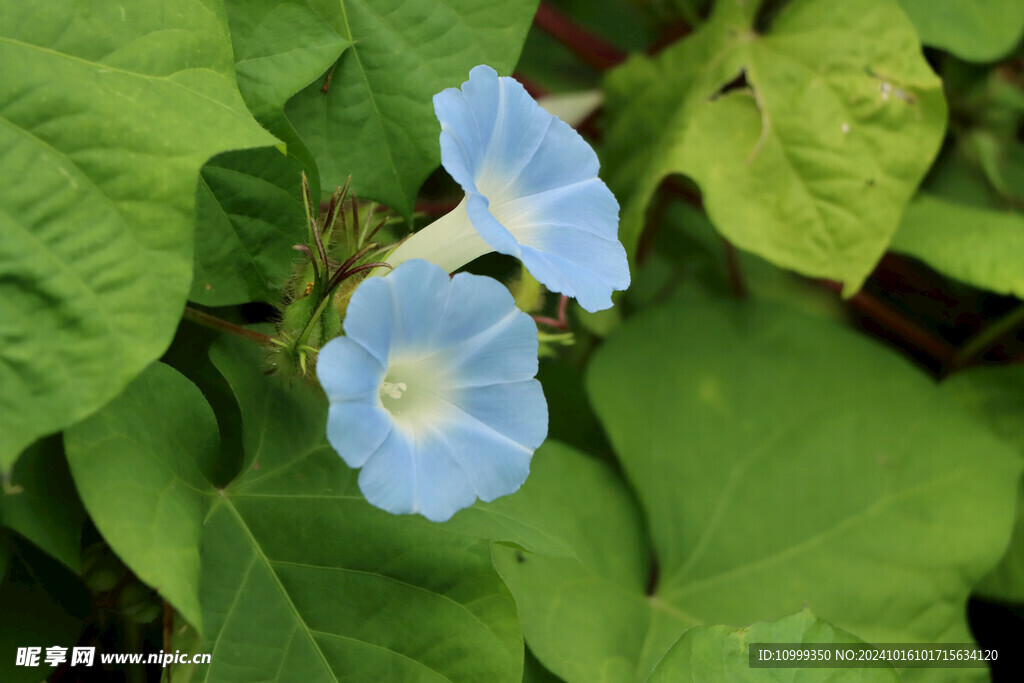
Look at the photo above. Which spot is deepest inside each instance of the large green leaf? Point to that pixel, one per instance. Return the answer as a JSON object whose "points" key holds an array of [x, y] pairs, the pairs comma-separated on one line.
{"points": [[300, 574], [975, 30], [811, 164], [996, 397], [249, 215], [297, 573], [142, 468], [720, 653], [40, 503], [780, 461], [107, 111], [982, 247], [376, 121]]}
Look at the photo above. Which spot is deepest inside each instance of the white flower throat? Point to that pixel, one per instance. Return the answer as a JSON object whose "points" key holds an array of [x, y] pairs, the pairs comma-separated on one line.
{"points": [[413, 391]]}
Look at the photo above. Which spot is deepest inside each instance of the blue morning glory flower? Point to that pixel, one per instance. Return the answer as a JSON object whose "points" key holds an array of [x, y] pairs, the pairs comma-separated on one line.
{"points": [[532, 192], [432, 390]]}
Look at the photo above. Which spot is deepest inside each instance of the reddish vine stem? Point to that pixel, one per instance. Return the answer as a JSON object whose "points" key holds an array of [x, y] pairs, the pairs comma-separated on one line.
{"points": [[986, 338], [871, 307], [214, 323], [559, 323], [594, 51], [327, 83], [435, 207], [550, 322]]}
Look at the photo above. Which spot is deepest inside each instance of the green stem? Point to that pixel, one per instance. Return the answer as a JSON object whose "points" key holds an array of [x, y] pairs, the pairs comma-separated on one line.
{"points": [[304, 335], [307, 200], [207, 320], [986, 338]]}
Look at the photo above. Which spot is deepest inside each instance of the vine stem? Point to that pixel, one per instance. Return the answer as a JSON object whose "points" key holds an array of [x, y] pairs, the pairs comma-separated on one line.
{"points": [[594, 51], [986, 338], [214, 323], [865, 304], [550, 322]]}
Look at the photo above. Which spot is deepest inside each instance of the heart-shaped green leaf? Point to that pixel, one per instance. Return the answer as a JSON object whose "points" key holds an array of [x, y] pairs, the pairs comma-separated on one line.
{"points": [[293, 570], [779, 460], [810, 163]]}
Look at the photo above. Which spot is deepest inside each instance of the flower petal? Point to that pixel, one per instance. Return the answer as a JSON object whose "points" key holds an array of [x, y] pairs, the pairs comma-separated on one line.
{"points": [[357, 424], [443, 487], [485, 339], [357, 430], [420, 294], [347, 371], [526, 173], [369, 319], [390, 478], [456, 412], [479, 446], [517, 410], [568, 240]]}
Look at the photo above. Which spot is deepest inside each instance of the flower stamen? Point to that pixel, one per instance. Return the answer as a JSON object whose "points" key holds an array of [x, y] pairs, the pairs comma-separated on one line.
{"points": [[393, 390]]}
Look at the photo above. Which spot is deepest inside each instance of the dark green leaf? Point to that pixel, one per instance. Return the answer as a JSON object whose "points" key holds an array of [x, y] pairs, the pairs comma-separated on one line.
{"points": [[376, 121], [281, 47], [771, 449], [5, 553], [249, 215], [586, 617], [280, 419]]}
